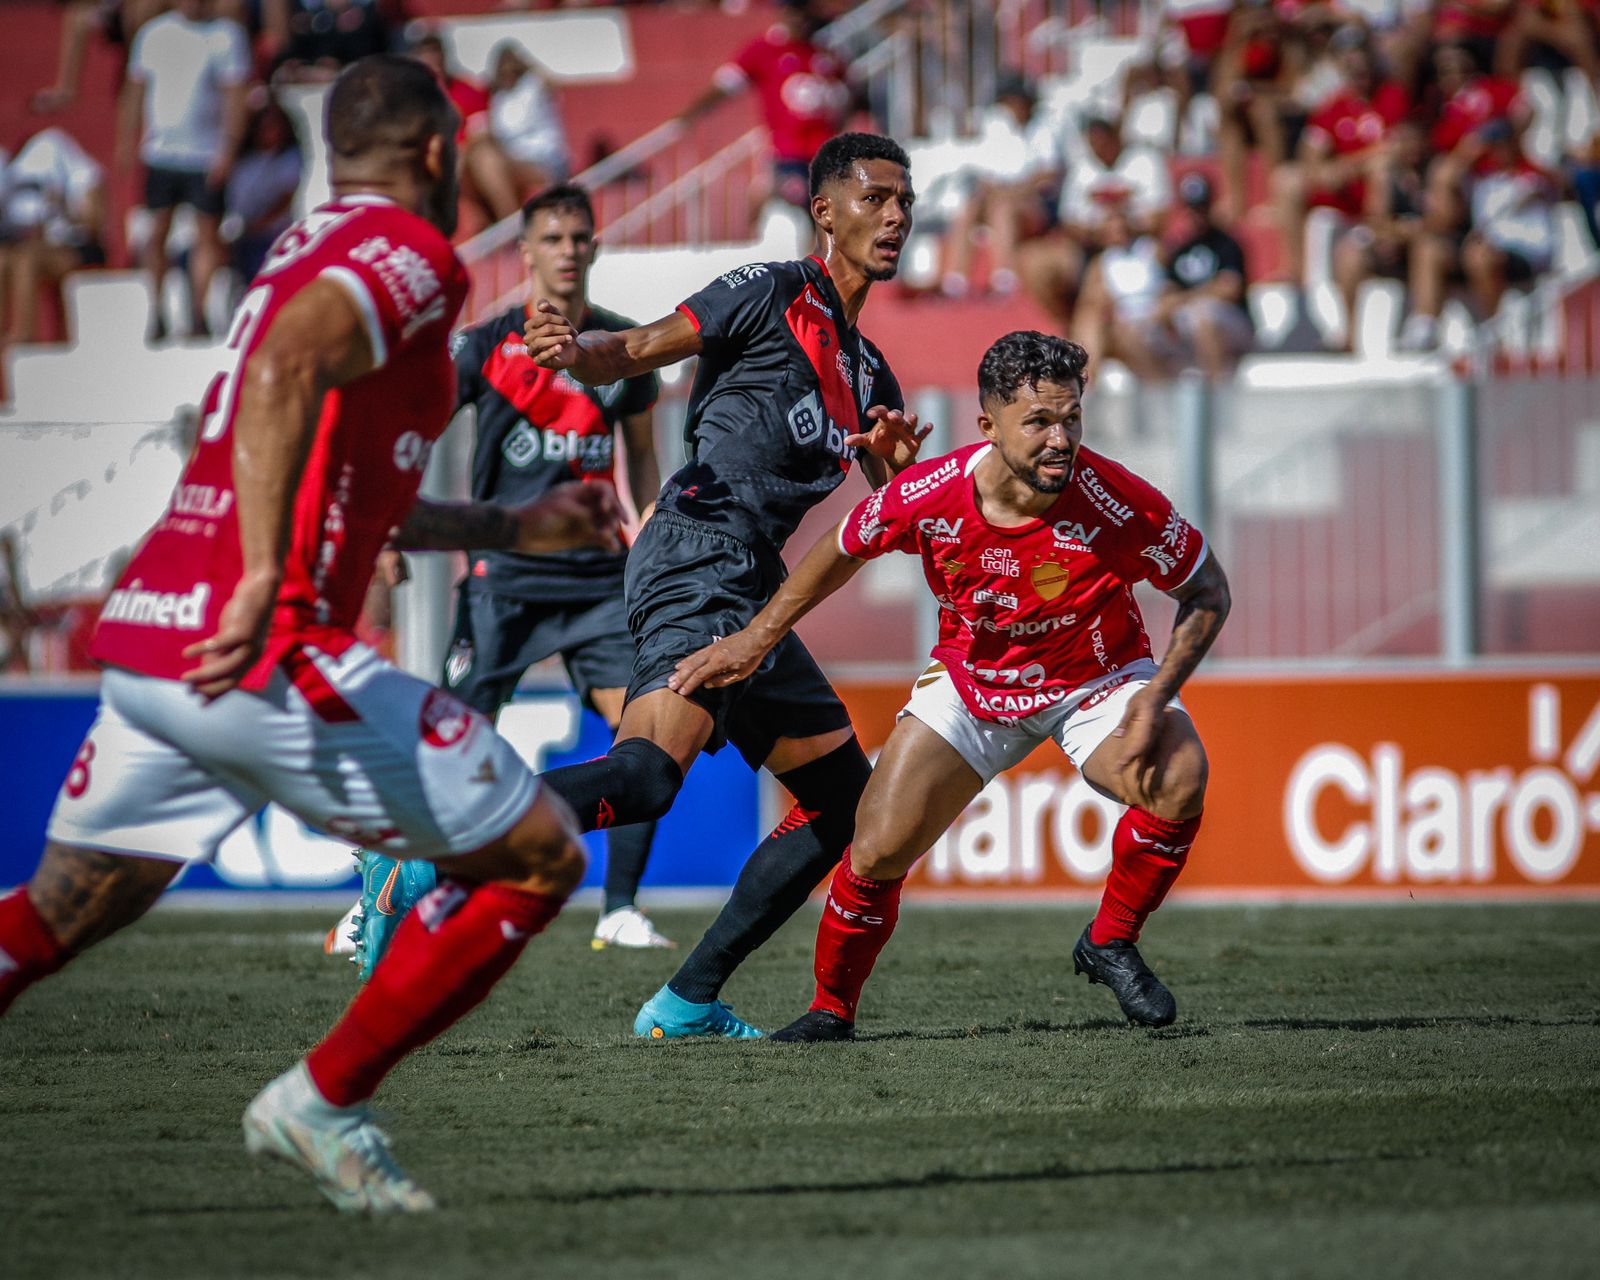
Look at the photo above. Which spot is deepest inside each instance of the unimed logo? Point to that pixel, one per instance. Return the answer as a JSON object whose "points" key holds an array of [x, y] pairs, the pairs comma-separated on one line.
{"points": [[1345, 812]]}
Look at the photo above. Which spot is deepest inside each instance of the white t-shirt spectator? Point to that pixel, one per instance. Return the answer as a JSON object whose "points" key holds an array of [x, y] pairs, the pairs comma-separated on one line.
{"points": [[1139, 180], [47, 186], [184, 67], [527, 124], [1514, 210], [1013, 153], [1134, 278]]}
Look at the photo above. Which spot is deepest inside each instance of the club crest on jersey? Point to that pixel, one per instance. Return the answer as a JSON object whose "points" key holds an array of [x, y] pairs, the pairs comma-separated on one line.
{"points": [[1049, 579], [941, 530], [458, 663]]}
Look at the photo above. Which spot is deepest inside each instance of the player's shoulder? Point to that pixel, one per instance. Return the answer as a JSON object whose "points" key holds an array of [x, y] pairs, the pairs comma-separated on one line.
{"points": [[480, 338], [610, 321], [758, 274], [923, 480], [1111, 487]]}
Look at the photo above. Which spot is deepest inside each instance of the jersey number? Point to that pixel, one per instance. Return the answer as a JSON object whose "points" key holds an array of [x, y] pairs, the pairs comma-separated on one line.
{"points": [[224, 388]]}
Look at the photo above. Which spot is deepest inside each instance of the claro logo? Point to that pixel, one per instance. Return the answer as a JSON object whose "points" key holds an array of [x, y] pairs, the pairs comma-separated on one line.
{"points": [[1424, 824]]}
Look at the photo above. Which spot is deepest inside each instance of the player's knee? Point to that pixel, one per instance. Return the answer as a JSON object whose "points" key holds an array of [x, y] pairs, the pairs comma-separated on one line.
{"points": [[831, 787], [874, 860], [649, 777]]}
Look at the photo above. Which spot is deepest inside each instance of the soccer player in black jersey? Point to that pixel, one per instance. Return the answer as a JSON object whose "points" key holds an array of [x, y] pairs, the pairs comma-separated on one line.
{"points": [[787, 396], [536, 429]]}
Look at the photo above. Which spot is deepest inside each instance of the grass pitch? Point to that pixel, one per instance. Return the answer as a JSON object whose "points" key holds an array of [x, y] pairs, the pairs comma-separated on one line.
{"points": [[1396, 1091]]}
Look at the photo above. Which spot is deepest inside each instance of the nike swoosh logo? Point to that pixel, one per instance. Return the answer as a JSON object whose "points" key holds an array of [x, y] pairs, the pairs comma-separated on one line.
{"points": [[385, 903]]}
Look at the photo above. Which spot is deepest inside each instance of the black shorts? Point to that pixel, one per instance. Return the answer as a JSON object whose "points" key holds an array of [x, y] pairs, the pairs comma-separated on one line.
{"points": [[169, 188], [497, 638], [689, 583]]}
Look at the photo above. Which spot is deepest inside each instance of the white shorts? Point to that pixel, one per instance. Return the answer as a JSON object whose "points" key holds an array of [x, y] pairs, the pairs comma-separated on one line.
{"points": [[382, 759], [1078, 725]]}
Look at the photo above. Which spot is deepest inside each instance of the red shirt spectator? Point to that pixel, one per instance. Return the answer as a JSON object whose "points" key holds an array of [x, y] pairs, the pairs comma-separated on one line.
{"points": [[804, 97], [1480, 100], [1348, 125]]}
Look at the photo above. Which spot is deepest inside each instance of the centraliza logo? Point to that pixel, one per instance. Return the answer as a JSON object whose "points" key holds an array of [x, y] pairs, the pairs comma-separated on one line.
{"points": [[1427, 824]]}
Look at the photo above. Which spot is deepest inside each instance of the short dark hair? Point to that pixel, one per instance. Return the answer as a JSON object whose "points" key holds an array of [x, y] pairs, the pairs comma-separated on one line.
{"points": [[385, 100], [1025, 358], [834, 162], [564, 197]]}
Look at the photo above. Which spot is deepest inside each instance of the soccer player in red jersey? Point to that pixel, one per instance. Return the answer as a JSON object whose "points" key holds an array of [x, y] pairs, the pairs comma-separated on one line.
{"points": [[232, 673], [1032, 544]]}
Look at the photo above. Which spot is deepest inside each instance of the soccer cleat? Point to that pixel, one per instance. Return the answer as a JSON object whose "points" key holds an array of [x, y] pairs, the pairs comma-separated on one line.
{"points": [[668, 1016], [627, 927], [1119, 965], [815, 1026], [345, 1153], [389, 889], [341, 939]]}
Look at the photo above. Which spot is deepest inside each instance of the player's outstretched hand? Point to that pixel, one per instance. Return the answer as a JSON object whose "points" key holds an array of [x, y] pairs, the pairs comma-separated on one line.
{"points": [[893, 436], [574, 514], [1137, 734], [241, 633], [550, 338], [720, 663]]}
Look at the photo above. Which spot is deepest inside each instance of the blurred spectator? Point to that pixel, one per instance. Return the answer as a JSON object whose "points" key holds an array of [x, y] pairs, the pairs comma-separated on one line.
{"points": [[1013, 189], [184, 98], [1512, 239], [313, 39], [1339, 144], [1391, 221], [1252, 79], [1477, 25], [1190, 38], [1466, 99], [51, 223], [525, 121], [1117, 314], [1553, 34], [1583, 171], [1109, 176], [804, 97], [261, 188], [114, 21], [487, 178], [1203, 316]]}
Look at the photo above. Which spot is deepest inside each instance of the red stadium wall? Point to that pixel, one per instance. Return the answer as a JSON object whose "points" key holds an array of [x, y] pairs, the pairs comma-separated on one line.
{"points": [[1404, 784]]}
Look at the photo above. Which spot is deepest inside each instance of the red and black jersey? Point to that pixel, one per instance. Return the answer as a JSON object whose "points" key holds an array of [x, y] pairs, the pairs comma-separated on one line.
{"points": [[783, 379], [537, 428]]}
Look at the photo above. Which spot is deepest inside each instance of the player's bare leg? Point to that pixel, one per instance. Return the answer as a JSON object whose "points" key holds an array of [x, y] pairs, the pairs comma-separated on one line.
{"points": [[621, 922], [918, 788], [76, 898], [445, 958], [1165, 794]]}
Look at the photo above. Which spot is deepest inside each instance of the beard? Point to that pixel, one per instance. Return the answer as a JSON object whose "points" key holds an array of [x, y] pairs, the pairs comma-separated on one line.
{"points": [[1028, 473], [876, 274]]}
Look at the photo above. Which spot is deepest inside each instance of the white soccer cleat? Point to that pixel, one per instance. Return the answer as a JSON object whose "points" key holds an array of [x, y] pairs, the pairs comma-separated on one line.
{"points": [[345, 1153], [341, 939], [627, 927]]}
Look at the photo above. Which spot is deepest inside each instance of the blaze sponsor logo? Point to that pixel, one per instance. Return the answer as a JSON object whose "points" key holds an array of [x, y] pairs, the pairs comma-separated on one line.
{"points": [[1000, 598], [922, 486], [169, 610], [1072, 536], [814, 299], [1049, 579], [940, 529], [808, 422], [1118, 513], [1164, 559], [743, 275], [411, 452], [444, 720], [526, 445], [999, 560], [203, 500]]}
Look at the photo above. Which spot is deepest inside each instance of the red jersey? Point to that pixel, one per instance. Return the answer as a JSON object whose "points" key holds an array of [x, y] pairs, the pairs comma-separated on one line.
{"points": [[367, 455], [471, 102], [804, 98], [1480, 100], [1349, 124], [1031, 613]]}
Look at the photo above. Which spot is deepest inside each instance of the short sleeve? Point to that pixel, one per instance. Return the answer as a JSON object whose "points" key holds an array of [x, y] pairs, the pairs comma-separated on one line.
{"points": [[735, 306], [1157, 543], [879, 523], [139, 53], [398, 286], [230, 55]]}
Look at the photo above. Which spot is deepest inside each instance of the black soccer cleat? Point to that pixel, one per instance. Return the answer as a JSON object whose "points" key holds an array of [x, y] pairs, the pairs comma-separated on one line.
{"points": [[1119, 965], [816, 1026]]}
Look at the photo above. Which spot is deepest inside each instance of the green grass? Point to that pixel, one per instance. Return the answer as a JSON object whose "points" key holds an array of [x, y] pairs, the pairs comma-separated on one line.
{"points": [[1399, 1091]]}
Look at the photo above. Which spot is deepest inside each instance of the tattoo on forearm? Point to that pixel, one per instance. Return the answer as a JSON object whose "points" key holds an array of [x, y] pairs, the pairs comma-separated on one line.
{"points": [[456, 526]]}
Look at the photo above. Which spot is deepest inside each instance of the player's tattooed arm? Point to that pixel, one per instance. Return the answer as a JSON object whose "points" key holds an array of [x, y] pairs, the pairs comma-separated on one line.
{"points": [[824, 570], [1203, 604], [570, 515], [597, 357]]}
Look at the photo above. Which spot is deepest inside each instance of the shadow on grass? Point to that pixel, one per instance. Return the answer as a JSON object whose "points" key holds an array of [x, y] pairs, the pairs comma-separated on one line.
{"points": [[1412, 1024]]}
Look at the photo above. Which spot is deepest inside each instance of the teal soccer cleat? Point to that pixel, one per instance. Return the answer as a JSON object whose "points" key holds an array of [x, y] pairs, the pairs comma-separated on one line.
{"points": [[389, 889], [668, 1016]]}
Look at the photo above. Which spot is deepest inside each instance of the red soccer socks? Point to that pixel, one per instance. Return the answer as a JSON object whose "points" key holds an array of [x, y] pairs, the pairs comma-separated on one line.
{"points": [[1147, 854], [28, 949], [857, 919], [445, 957]]}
